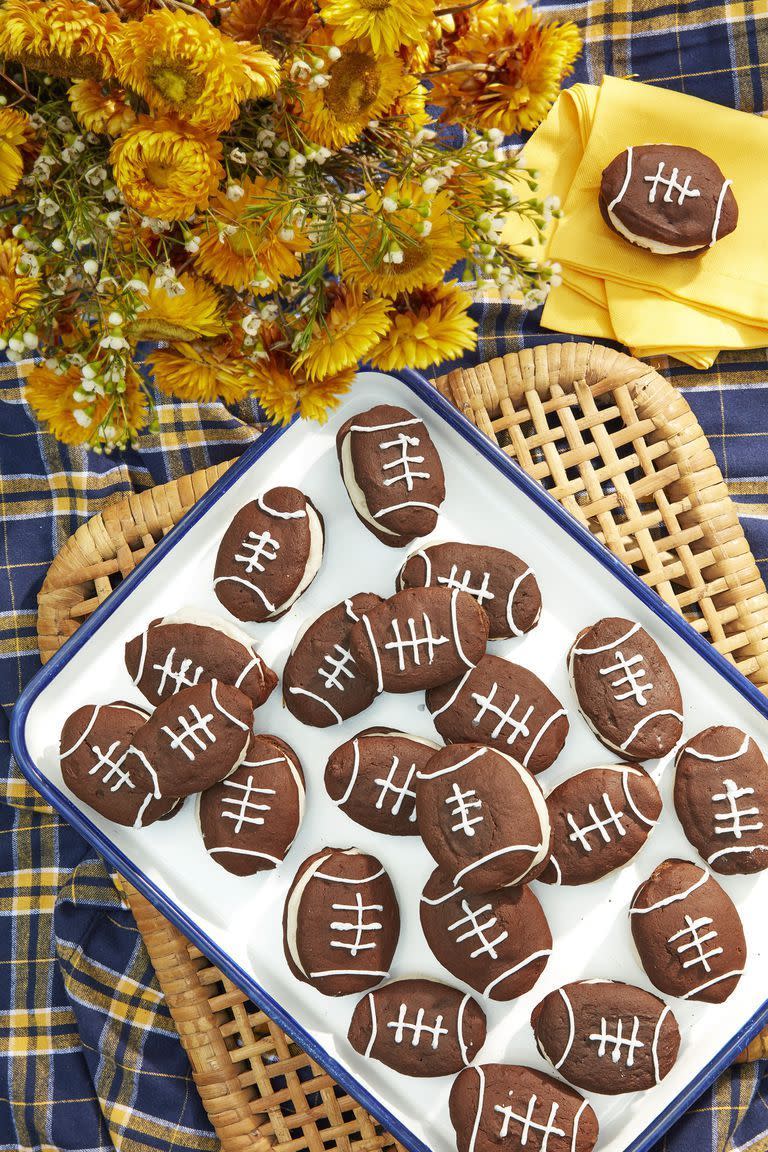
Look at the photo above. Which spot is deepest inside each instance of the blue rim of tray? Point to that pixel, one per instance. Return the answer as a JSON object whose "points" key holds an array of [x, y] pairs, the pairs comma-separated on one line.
{"points": [[426, 392]]}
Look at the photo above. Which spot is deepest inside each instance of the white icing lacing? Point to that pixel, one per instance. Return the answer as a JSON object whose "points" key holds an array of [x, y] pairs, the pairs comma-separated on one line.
{"points": [[612, 819], [528, 1124], [399, 791], [256, 547], [358, 927], [197, 732], [618, 1041], [506, 718], [413, 642], [632, 672], [418, 1029], [178, 675], [464, 803], [693, 938], [671, 185], [240, 806]]}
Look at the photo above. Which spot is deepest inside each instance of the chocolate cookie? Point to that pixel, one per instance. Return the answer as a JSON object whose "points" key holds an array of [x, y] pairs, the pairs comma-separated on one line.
{"points": [[600, 819], [721, 797], [419, 638], [503, 584], [626, 690], [688, 933], [269, 555], [181, 650], [250, 819], [419, 1027], [392, 473], [98, 764], [483, 817], [605, 1036], [514, 1107], [196, 738], [373, 779], [322, 682], [506, 706], [498, 942], [341, 922], [667, 198]]}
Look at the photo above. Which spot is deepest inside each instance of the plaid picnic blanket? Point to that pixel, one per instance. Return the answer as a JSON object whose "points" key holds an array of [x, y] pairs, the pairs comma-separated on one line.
{"points": [[89, 1058]]}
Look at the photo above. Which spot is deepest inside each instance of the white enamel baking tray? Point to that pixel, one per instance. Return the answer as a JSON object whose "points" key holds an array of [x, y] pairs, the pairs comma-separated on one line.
{"points": [[237, 921]]}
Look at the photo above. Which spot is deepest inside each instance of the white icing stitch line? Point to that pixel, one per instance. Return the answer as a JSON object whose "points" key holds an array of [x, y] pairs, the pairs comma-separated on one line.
{"points": [[571, 1029], [374, 1027], [478, 1113], [460, 1029], [674, 898], [353, 775], [313, 696], [689, 751], [627, 177], [511, 971], [605, 647]]}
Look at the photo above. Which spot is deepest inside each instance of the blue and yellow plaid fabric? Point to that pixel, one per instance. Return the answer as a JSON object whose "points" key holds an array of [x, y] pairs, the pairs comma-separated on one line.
{"points": [[89, 1057]]}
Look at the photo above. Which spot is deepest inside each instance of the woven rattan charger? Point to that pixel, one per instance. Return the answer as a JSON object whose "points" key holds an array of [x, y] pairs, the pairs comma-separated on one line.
{"points": [[621, 450]]}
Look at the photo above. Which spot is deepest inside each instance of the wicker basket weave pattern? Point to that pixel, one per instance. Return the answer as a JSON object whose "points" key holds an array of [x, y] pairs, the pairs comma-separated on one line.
{"points": [[616, 445]]}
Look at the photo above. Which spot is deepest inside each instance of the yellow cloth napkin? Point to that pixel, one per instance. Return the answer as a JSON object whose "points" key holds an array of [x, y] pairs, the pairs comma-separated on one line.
{"points": [[687, 308]]}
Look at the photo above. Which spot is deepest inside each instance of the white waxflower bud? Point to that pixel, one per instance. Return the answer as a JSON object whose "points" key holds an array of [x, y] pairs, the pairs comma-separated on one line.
{"points": [[334, 53], [114, 319], [235, 192], [57, 244], [82, 417], [30, 339], [430, 185], [91, 267]]}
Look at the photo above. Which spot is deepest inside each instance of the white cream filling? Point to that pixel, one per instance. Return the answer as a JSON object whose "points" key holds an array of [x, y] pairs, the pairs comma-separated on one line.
{"points": [[356, 494], [209, 620], [651, 245], [292, 912], [314, 560]]}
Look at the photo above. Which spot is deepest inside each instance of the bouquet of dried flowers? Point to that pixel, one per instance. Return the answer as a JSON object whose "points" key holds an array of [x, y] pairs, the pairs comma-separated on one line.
{"points": [[267, 191]]}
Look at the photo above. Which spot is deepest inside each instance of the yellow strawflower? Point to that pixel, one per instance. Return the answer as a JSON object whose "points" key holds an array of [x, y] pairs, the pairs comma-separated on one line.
{"points": [[195, 312], [388, 24], [404, 239], [506, 68], [51, 398], [429, 326], [70, 38], [360, 87], [184, 67], [247, 241], [274, 23], [202, 372], [345, 334], [284, 393], [101, 108], [15, 132], [166, 170], [19, 293]]}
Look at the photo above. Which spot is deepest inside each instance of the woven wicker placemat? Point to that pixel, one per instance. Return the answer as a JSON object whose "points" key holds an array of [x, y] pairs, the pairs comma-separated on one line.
{"points": [[617, 446]]}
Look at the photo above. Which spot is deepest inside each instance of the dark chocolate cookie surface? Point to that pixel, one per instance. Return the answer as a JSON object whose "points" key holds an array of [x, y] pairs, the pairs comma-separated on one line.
{"points": [[606, 1036], [269, 555], [497, 942], [721, 798], [196, 737], [501, 583], [419, 638], [372, 778], [600, 820], [341, 922], [688, 933], [506, 706], [513, 1107], [249, 820], [419, 1027], [392, 472], [626, 690], [99, 765], [322, 682], [179, 651], [669, 199], [482, 817]]}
